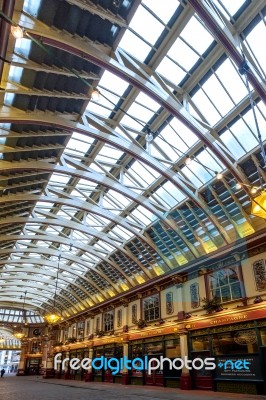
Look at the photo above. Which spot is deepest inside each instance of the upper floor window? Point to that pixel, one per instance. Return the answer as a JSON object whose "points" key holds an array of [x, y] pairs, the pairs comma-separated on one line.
{"points": [[80, 329], [151, 308], [225, 284], [108, 321]]}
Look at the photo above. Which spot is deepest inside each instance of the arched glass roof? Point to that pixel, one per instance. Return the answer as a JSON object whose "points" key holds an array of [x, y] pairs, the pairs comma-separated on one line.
{"points": [[119, 191]]}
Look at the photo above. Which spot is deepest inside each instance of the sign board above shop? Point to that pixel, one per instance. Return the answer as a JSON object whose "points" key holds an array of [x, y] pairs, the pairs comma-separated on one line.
{"points": [[225, 319], [245, 367]]}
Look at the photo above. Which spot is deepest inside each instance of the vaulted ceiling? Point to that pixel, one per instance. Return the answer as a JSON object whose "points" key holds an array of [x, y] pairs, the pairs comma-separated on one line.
{"points": [[118, 191]]}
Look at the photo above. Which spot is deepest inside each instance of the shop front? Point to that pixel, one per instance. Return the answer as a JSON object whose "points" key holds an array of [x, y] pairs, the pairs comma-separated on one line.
{"points": [[33, 366], [239, 350], [108, 351], [167, 346], [64, 369]]}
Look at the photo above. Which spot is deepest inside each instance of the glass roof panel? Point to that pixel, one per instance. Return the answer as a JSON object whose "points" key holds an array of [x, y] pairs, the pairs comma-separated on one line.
{"points": [[113, 83], [134, 45], [163, 9], [171, 71], [231, 6], [142, 22], [197, 35], [183, 54], [254, 39]]}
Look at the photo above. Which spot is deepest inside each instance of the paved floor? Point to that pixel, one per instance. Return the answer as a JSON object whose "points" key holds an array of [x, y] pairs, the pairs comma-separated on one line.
{"points": [[37, 388]]}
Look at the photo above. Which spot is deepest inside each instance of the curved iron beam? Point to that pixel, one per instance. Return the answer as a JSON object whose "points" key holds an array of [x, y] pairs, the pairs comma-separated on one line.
{"points": [[41, 288], [36, 261], [78, 227], [149, 87], [121, 144], [52, 252], [66, 241]]}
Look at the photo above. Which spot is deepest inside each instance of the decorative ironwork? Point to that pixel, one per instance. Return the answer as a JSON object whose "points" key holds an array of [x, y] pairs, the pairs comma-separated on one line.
{"points": [[259, 270], [245, 337], [134, 314], [119, 318], [169, 303], [194, 295]]}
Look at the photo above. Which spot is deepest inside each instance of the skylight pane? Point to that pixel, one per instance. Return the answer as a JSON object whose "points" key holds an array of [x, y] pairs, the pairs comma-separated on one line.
{"points": [[175, 192], [231, 6], [206, 107], [190, 174], [147, 101], [255, 39], [197, 36], [146, 25], [170, 71], [164, 9], [183, 54], [135, 46], [113, 83], [140, 112], [166, 197], [218, 95], [232, 81], [241, 131]]}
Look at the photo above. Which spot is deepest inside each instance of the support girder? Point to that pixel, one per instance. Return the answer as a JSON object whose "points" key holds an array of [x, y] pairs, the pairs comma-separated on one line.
{"points": [[66, 255], [151, 87], [81, 205], [66, 241], [75, 226], [227, 40], [121, 144], [47, 263], [21, 282]]}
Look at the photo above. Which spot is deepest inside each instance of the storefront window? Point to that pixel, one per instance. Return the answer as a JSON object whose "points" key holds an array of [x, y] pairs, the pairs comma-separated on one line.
{"points": [[237, 342], [172, 348], [119, 352], [136, 352], [97, 353], [151, 308], [225, 284], [200, 343], [154, 348]]}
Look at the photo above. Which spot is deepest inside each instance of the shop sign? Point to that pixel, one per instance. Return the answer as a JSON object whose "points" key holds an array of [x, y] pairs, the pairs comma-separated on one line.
{"points": [[246, 367], [154, 332], [227, 319]]}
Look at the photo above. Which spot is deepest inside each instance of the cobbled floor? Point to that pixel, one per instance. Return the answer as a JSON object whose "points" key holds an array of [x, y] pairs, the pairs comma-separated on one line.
{"points": [[36, 388]]}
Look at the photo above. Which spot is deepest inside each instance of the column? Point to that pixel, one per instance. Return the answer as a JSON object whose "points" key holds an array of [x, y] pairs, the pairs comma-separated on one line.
{"points": [[125, 376], [89, 375], [47, 359], [22, 361], [185, 379], [180, 302], [125, 317]]}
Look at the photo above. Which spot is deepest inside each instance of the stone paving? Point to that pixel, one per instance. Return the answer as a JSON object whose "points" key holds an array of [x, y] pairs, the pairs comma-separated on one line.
{"points": [[37, 388]]}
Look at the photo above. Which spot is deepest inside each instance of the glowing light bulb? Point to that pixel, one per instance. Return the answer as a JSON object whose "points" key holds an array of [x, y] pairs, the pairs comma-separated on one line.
{"points": [[95, 95], [16, 31], [238, 185], [149, 137], [219, 175], [253, 190], [188, 160]]}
